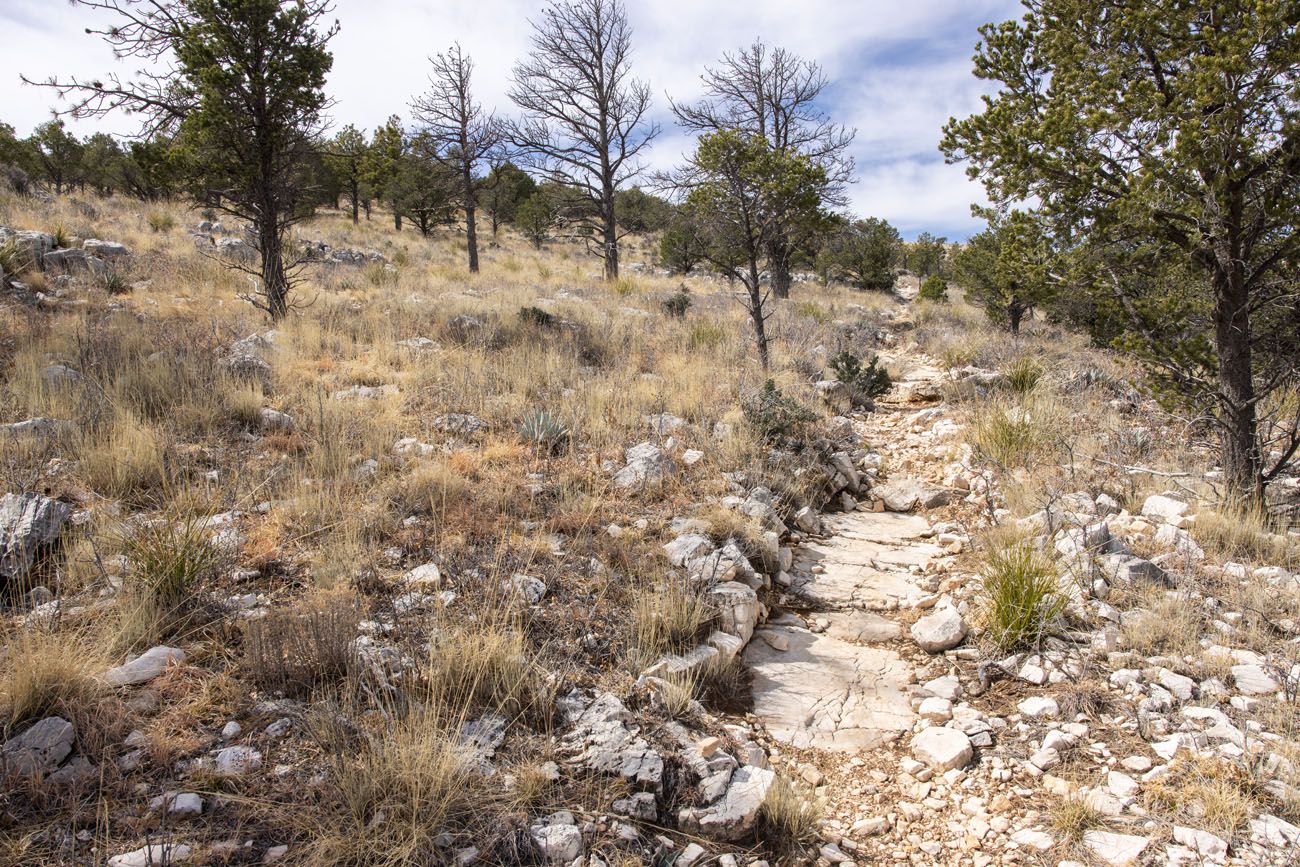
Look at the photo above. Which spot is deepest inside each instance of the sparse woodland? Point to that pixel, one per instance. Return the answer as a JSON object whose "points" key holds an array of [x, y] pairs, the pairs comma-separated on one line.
{"points": [[461, 492]]}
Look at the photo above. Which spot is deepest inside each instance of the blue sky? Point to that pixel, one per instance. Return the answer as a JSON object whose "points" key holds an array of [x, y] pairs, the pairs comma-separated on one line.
{"points": [[898, 71]]}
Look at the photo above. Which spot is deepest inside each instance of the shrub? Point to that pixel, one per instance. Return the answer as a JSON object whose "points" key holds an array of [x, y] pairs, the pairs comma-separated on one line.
{"points": [[789, 819], [813, 311], [1023, 374], [536, 317], [772, 414], [1021, 594], [1011, 436], [544, 431], [934, 289], [864, 383], [309, 647], [160, 221], [61, 237], [678, 303]]}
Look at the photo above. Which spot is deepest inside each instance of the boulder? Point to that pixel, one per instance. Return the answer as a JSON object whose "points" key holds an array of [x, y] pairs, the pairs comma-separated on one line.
{"points": [[105, 249], [646, 466], [27, 523], [558, 844], [234, 761], [687, 548], [942, 748], [1162, 508], [460, 424], [1254, 680], [40, 749], [1119, 850], [605, 739], [144, 667], [905, 495], [940, 631], [153, 855], [737, 607], [274, 420]]}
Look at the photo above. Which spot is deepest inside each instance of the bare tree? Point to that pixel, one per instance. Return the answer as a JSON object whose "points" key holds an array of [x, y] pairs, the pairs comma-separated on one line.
{"points": [[585, 119], [460, 133], [773, 94]]}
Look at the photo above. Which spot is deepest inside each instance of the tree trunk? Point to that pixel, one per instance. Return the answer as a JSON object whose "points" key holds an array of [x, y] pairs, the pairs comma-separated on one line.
{"points": [[397, 216], [275, 283], [610, 232], [778, 257], [756, 311], [471, 236], [365, 205], [356, 195], [1238, 435], [1014, 314]]}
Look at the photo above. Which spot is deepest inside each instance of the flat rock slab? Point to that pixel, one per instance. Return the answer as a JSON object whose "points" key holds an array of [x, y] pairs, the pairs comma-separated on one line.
{"points": [[827, 693], [867, 561], [862, 627]]}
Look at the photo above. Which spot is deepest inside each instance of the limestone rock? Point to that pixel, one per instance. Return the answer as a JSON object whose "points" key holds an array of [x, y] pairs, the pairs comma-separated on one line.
{"points": [[605, 739], [234, 761], [942, 748], [1119, 850], [559, 844], [646, 466], [144, 667], [1163, 508], [27, 522], [940, 631], [153, 855], [734, 815], [904, 495], [40, 749]]}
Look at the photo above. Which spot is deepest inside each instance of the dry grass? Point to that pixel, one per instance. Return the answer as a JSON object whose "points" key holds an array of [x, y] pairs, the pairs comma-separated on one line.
{"points": [[1021, 594], [304, 648], [49, 673], [1245, 535], [487, 665], [790, 820], [1072, 817], [1167, 623], [668, 618], [1209, 793], [1015, 434]]}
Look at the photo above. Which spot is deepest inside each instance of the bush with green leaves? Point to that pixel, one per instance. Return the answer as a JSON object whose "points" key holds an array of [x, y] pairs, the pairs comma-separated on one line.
{"points": [[864, 383], [115, 284], [1023, 374], [544, 431], [678, 303], [934, 289], [773, 414]]}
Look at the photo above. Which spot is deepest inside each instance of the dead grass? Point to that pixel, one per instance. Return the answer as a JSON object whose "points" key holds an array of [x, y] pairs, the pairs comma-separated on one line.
{"points": [[1246, 536], [1209, 793], [487, 665], [790, 820], [668, 618], [49, 673], [1168, 623], [1072, 817], [1016, 434], [299, 650]]}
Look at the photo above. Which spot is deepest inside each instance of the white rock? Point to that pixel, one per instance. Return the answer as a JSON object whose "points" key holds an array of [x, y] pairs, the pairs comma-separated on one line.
{"points": [[424, 575], [935, 709], [1253, 680], [144, 667], [1163, 508], [940, 631], [559, 844], [233, 761], [149, 856], [1117, 849], [1121, 785], [1201, 842], [1040, 707], [942, 748], [1028, 838]]}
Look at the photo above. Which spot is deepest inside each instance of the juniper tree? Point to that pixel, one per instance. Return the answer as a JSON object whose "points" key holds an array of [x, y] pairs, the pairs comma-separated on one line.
{"points": [[241, 82], [1006, 269], [774, 94], [863, 253], [505, 188], [585, 121], [345, 155], [382, 167], [1163, 139]]}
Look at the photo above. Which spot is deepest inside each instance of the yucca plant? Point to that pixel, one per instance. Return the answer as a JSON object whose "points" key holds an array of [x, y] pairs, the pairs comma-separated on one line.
{"points": [[546, 432], [61, 237], [115, 284], [1024, 374], [1022, 593]]}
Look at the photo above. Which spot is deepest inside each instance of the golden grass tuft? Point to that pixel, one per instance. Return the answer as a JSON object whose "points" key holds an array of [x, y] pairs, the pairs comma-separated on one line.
{"points": [[1207, 792], [790, 819], [1246, 535], [47, 673], [1072, 817], [1021, 593]]}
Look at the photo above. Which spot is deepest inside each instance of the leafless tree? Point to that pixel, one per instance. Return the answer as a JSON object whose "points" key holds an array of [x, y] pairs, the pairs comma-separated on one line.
{"points": [[773, 93], [585, 121], [461, 134]]}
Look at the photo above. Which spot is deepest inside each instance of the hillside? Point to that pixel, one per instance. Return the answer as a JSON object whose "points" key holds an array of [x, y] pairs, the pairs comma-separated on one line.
{"points": [[521, 567]]}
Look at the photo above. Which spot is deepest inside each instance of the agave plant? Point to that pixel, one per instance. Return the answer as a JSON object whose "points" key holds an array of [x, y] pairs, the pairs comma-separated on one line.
{"points": [[545, 431]]}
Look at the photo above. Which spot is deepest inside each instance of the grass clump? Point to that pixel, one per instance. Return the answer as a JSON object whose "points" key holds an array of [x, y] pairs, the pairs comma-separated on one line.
{"points": [[1246, 535], [1012, 435], [160, 221], [168, 562], [789, 820], [1168, 623], [670, 618], [1023, 374], [1022, 594], [1211, 793], [46, 673], [706, 335], [1072, 817], [128, 462], [485, 666], [395, 791]]}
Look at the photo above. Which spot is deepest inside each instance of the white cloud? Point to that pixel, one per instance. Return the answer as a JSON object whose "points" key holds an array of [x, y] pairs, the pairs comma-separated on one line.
{"points": [[898, 71]]}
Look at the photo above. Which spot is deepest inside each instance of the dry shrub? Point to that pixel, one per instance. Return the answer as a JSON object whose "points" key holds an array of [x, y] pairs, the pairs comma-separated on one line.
{"points": [[47, 673], [305, 648], [1072, 817], [1205, 792], [169, 559], [428, 488], [1014, 435]]}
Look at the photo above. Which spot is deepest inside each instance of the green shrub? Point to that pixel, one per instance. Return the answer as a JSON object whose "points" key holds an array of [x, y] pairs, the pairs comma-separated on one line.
{"points": [[935, 289], [115, 284], [1012, 435], [1022, 594], [773, 414], [707, 335], [678, 303], [863, 383]]}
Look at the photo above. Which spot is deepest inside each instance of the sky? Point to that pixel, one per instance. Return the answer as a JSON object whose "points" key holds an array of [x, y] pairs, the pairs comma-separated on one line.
{"points": [[898, 71]]}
